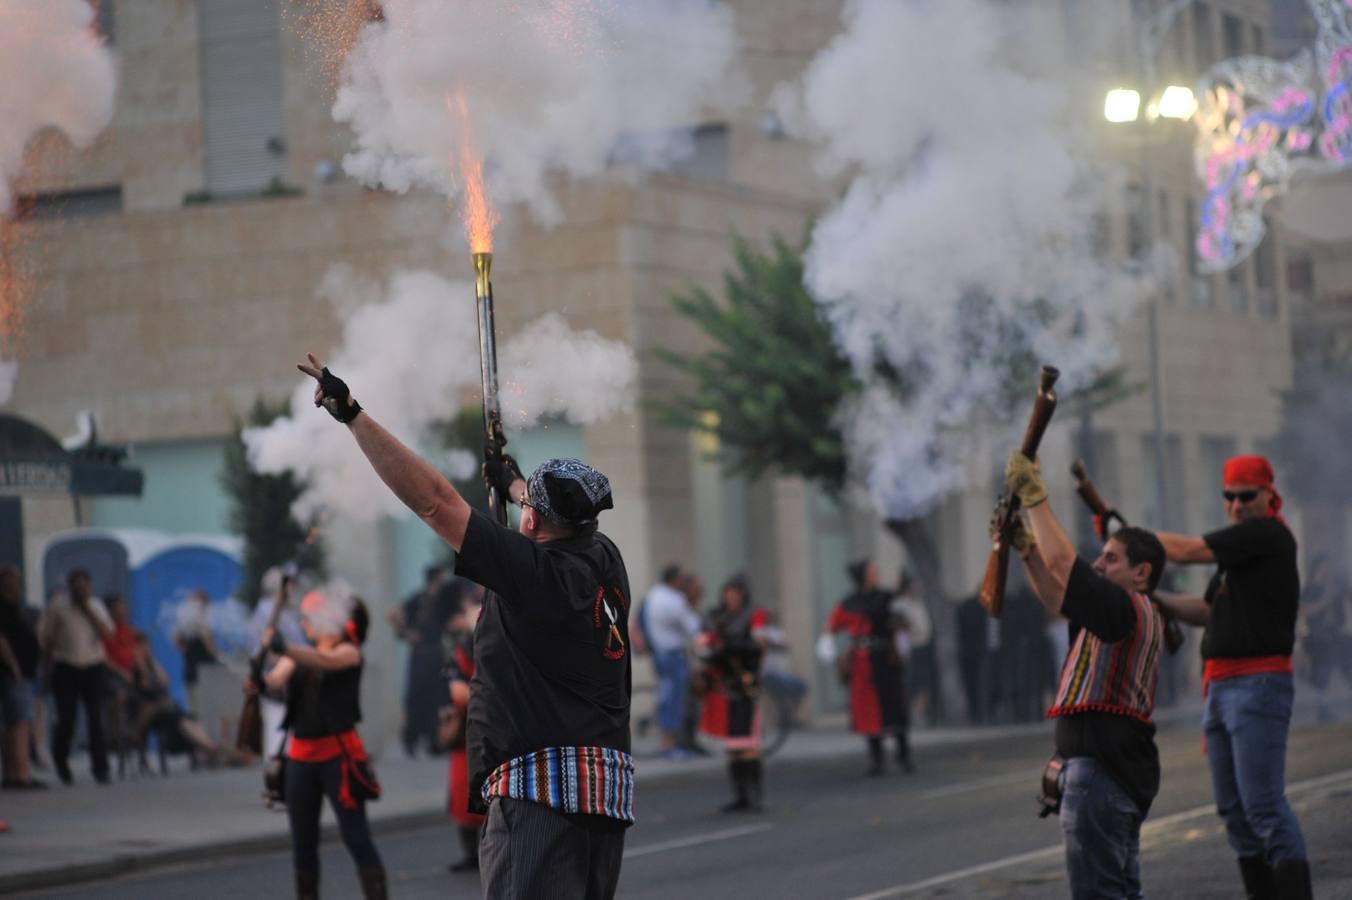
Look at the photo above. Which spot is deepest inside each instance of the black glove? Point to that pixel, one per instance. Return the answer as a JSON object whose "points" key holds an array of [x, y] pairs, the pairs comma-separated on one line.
{"points": [[500, 470], [277, 644], [338, 399]]}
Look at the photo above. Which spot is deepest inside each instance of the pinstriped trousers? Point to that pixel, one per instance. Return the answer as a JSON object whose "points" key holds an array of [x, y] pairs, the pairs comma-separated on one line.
{"points": [[531, 852]]}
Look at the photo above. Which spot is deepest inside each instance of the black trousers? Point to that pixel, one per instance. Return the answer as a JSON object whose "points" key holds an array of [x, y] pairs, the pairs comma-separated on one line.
{"points": [[529, 850], [72, 686], [307, 784]]}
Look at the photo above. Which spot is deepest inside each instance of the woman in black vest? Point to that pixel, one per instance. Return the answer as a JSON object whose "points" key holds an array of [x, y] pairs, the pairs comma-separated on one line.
{"points": [[324, 752]]}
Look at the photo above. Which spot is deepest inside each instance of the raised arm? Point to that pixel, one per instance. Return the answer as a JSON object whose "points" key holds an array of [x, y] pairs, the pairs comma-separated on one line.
{"points": [[416, 483], [1185, 607], [1185, 548], [1050, 554]]}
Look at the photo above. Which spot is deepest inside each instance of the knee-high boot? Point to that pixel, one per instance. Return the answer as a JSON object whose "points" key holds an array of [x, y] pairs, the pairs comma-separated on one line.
{"points": [[1292, 878], [1257, 875], [373, 886], [737, 773], [307, 886], [755, 791], [875, 755]]}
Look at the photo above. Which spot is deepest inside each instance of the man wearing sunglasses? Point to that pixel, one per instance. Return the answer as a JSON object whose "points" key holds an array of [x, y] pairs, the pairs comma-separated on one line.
{"points": [[1249, 610]]}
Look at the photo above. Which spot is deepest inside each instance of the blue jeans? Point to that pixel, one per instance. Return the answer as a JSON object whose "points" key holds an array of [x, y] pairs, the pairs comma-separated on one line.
{"points": [[1246, 720], [1102, 828], [673, 679]]}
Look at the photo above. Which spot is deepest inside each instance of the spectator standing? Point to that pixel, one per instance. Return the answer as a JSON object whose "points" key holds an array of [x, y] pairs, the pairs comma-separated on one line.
{"points": [[671, 626], [421, 621], [273, 707], [72, 634], [120, 648], [192, 637], [19, 653]]}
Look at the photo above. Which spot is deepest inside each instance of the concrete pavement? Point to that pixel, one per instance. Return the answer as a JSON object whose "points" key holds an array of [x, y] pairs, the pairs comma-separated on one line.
{"points": [[88, 831]]}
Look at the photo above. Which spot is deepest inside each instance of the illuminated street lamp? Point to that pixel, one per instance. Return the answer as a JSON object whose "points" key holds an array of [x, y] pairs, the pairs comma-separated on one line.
{"points": [[1177, 102], [1122, 105]]}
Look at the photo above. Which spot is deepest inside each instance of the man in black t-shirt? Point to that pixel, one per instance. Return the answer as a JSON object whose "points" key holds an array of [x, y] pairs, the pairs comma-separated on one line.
{"points": [[1106, 692], [1249, 610], [421, 621], [548, 719]]}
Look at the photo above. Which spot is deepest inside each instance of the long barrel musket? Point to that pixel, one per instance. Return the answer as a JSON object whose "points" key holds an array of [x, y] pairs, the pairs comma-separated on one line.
{"points": [[494, 439], [1103, 515], [249, 735], [992, 592]]}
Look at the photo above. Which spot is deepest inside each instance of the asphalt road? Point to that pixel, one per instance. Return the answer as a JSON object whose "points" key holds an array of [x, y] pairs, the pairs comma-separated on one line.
{"points": [[963, 826]]}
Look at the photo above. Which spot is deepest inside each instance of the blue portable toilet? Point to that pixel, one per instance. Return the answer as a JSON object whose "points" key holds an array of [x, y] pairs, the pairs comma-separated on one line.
{"points": [[108, 554], [163, 580]]}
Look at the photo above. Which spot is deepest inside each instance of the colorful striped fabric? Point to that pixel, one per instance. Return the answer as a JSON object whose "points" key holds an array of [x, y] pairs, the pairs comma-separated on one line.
{"points": [[1117, 678], [593, 780]]}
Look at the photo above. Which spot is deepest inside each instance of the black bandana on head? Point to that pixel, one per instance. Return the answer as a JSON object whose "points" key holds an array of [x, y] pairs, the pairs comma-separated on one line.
{"points": [[568, 491]]}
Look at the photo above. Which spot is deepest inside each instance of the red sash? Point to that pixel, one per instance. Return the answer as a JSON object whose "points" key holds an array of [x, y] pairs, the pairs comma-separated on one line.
{"points": [[1221, 669]]}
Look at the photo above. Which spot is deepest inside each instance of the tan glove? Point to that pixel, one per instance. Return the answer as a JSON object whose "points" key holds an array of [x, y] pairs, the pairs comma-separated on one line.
{"points": [[1023, 477], [1021, 539]]}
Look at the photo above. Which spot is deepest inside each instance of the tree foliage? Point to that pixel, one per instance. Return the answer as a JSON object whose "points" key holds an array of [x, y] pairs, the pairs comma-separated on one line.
{"points": [[770, 385], [260, 510]]}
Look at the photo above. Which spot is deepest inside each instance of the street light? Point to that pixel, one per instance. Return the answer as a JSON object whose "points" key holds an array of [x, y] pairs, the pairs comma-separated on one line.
{"points": [[1175, 102]]}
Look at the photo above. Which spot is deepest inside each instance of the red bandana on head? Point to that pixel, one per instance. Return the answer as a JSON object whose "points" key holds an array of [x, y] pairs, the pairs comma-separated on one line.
{"points": [[1254, 470]]}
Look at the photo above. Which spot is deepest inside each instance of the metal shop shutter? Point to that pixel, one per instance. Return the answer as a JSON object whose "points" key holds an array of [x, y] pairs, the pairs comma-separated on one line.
{"points": [[243, 106]]}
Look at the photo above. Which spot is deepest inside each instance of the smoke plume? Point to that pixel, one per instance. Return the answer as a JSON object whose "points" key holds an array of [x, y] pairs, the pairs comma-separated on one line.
{"points": [[962, 242], [547, 86], [411, 356], [54, 72]]}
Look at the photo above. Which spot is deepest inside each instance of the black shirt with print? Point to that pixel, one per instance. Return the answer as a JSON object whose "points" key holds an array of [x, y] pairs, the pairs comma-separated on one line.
{"points": [[1125, 745], [551, 648], [1255, 593]]}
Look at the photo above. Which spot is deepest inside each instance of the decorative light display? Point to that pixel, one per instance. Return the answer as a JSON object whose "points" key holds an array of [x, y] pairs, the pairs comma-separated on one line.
{"points": [[1260, 120]]}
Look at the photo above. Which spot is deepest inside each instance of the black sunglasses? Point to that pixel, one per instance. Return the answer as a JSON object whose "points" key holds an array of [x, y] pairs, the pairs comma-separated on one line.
{"points": [[1241, 496]]}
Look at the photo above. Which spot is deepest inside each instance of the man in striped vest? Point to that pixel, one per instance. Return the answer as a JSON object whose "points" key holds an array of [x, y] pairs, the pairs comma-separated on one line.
{"points": [[1106, 692], [1249, 610]]}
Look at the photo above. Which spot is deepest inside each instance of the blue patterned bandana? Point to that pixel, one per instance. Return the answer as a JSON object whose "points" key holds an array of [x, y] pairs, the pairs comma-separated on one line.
{"points": [[568, 491]]}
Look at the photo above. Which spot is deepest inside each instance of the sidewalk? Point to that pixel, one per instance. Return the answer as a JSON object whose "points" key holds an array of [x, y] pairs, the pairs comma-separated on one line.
{"points": [[70, 834]]}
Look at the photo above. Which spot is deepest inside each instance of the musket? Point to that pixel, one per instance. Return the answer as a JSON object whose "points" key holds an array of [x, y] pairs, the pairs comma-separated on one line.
{"points": [[992, 591], [494, 439], [249, 735], [1103, 514]]}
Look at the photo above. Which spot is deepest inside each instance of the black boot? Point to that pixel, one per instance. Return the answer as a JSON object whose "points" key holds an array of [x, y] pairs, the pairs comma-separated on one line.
{"points": [[1257, 875], [373, 885], [875, 755], [1292, 878], [755, 793], [904, 753], [469, 839], [307, 886], [737, 772]]}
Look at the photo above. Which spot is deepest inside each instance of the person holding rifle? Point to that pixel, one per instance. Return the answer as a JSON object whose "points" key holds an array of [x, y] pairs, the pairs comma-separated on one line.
{"points": [[1249, 610], [548, 720], [324, 754], [1106, 693]]}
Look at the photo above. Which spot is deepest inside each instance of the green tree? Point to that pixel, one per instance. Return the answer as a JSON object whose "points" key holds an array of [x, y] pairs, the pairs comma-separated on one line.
{"points": [[771, 386], [260, 510]]}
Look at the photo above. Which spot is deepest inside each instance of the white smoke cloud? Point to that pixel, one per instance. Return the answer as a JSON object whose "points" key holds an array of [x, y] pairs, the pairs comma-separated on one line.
{"points": [[53, 72], [549, 86], [9, 373], [964, 233], [410, 353]]}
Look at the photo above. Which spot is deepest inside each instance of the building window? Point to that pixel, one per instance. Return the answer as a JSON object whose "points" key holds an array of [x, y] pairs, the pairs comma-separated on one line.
{"points": [[1257, 40], [244, 117], [74, 204], [1173, 518], [1300, 278], [1238, 278], [1215, 451], [1265, 275], [1232, 35], [1203, 41], [1199, 282], [709, 158]]}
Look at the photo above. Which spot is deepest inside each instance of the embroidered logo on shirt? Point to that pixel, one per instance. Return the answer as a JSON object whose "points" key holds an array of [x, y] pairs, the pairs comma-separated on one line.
{"points": [[604, 615]]}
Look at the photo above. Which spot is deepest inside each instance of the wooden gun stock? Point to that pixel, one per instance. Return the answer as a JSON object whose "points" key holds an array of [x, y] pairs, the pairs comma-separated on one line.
{"points": [[1103, 513], [1094, 500], [992, 590], [249, 734]]}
